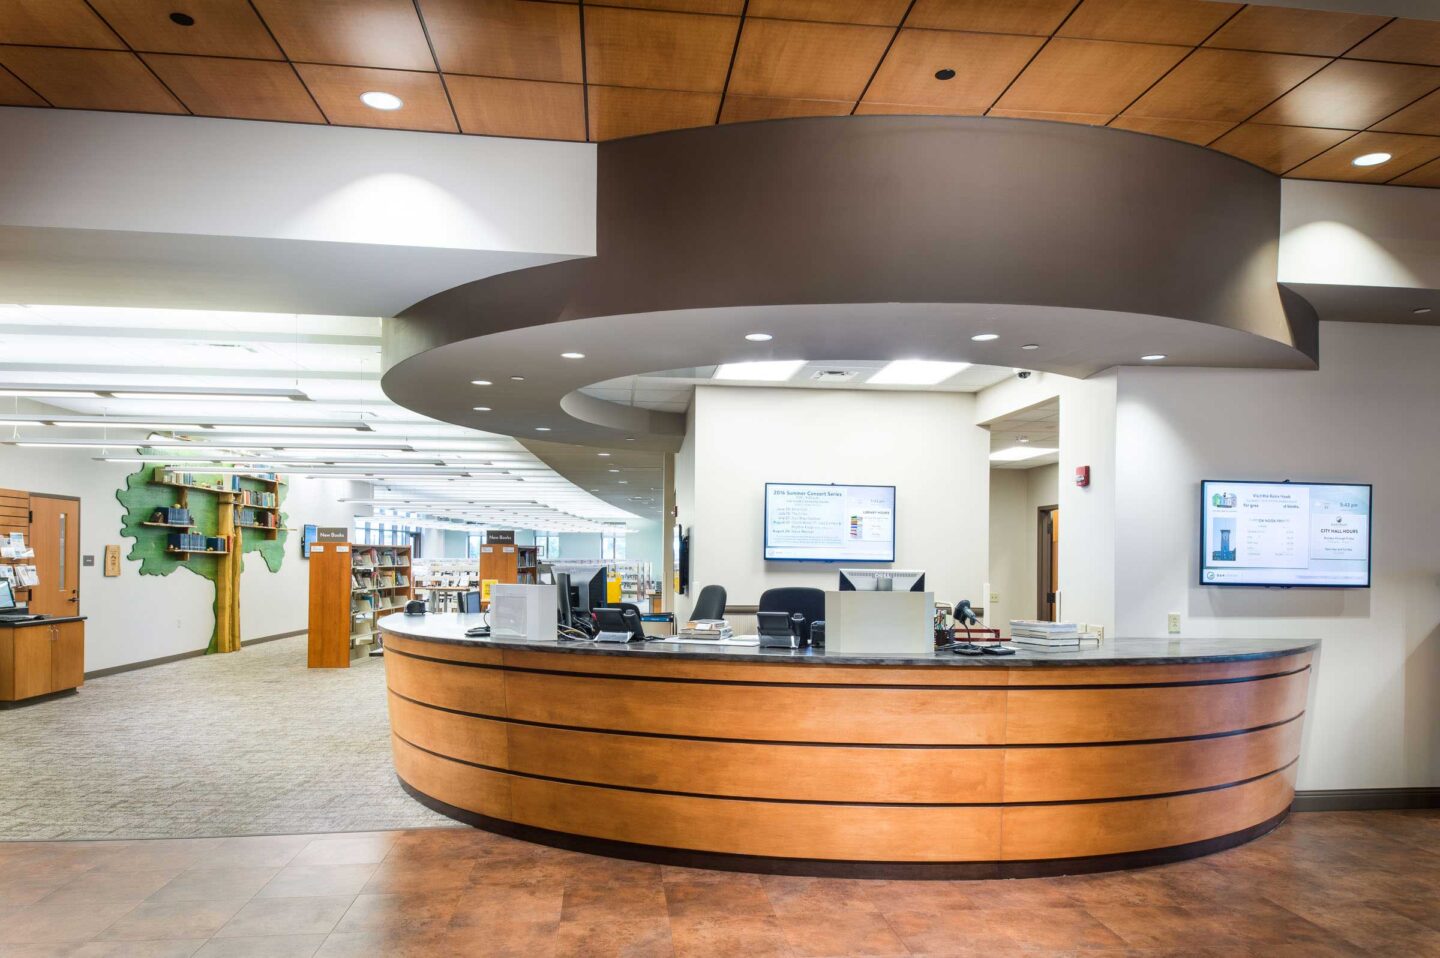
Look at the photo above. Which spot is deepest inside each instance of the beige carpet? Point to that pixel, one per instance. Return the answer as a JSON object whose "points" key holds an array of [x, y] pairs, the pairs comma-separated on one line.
{"points": [[251, 743]]}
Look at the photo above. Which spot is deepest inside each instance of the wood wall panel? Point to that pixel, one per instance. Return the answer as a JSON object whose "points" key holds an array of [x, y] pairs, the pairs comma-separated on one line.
{"points": [[360, 33], [1147, 21], [1224, 85], [743, 109], [438, 650], [1352, 94], [1049, 716], [658, 50], [1113, 771], [883, 13], [796, 772], [520, 39], [55, 23], [90, 79], [244, 89], [807, 61], [473, 789], [780, 829], [1034, 17], [791, 714], [1282, 30], [447, 686], [1089, 76], [1405, 41], [1278, 148], [15, 93], [1421, 117], [1110, 828]]}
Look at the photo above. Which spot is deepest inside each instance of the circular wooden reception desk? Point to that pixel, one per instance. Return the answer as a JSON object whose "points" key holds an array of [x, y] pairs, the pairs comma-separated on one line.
{"points": [[1143, 751]]}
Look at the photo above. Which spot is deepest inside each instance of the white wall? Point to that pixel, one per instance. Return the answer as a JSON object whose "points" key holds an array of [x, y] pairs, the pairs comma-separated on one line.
{"points": [[133, 618], [925, 444], [1370, 414], [1016, 496]]}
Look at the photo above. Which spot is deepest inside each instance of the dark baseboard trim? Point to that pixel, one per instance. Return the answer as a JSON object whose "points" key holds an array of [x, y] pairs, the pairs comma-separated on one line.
{"points": [[36, 700], [167, 659], [1365, 799], [816, 868]]}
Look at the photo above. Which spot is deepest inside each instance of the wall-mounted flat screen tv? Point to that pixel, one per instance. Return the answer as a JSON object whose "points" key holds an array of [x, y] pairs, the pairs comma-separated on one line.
{"points": [[1285, 534], [807, 522]]}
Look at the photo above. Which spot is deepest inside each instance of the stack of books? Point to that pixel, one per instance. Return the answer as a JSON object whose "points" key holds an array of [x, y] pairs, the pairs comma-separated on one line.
{"points": [[1056, 636], [706, 629]]}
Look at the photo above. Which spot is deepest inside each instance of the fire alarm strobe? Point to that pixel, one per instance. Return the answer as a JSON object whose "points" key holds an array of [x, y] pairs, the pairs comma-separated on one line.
{"points": [[1082, 475]]}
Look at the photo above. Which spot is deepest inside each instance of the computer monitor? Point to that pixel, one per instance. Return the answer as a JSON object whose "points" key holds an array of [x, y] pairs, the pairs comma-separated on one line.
{"points": [[7, 596], [882, 580], [545, 575], [589, 588], [562, 598]]}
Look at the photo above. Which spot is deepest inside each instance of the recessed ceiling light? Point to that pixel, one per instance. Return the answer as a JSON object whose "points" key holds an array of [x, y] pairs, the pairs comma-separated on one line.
{"points": [[1422, 311], [759, 337], [1031, 346], [915, 372], [517, 379], [1018, 453], [1023, 439], [542, 428], [629, 438], [480, 382], [572, 355], [183, 19], [614, 470], [1153, 357], [984, 337], [945, 74], [767, 372], [603, 455], [1370, 159], [624, 482], [481, 408], [379, 100]]}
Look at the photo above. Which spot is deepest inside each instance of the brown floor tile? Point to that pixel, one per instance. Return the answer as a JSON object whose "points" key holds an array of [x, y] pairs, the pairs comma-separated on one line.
{"points": [[15, 894], [93, 886], [160, 853], [959, 931], [419, 914], [629, 902], [1375, 928], [368, 849], [138, 949], [382, 945], [273, 851], [482, 906], [317, 881], [418, 876], [428, 843], [207, 883], [286, 916], [712, 937], [172, 919], [840, 933], [1071, 929], [614, 939], [738, 896], [507, 937], [274, 946], [807, 896], [42, 923]]}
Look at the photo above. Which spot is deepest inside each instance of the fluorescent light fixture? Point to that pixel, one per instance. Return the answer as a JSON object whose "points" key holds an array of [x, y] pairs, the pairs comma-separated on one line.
{"points": [[1031, 346], [984, 337], [1152, 358], [915, 372], [204, 393], [572, 355], [283, 428], [771, 371], [480, 382], [1370, 159], [42, 393], [122, 424], [380, 100], [542, 428], [759, 337], [603, 455], [1020, 453], [481, 408]]}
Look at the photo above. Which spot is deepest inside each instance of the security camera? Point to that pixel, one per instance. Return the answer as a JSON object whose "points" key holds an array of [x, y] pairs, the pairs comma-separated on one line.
{"points": [[1024, 373]]}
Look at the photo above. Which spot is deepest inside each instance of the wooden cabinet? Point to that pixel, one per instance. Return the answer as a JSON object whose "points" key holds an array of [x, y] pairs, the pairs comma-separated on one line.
{"points": [[41, 658]]}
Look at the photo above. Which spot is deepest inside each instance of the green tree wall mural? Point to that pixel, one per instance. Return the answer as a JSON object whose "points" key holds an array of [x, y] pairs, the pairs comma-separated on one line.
{"points": [[142, 496]]}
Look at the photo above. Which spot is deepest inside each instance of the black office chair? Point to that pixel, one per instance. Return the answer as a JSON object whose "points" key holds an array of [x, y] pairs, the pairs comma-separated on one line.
{"points": [[470, 602], [710, 603], [631, 612], [809, 604]]}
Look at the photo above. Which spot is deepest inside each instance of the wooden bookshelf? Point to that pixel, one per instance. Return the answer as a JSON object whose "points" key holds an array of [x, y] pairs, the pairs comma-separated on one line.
{"points": [[504, 562], [351, 586]]}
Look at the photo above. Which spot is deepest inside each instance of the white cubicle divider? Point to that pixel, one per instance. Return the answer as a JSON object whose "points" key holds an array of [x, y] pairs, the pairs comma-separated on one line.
{"points": [[866, 623]]}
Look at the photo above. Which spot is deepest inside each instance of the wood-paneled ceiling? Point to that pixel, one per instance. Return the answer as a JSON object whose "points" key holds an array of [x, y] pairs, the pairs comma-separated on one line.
{"points": [[1298, 92]]}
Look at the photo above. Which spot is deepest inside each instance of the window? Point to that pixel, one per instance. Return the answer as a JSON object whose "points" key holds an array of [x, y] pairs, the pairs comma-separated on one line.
{"points": [[612, 546], [472, 546], [549, 545]]}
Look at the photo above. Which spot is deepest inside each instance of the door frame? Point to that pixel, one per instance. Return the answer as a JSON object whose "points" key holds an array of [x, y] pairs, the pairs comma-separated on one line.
{"points": [[1045, 562], [79, 559]]}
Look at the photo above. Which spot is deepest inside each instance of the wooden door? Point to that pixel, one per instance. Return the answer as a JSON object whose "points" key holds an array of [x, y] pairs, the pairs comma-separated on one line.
{"points": [[1048, 570], [55, 536], [68, 656], [34, 657]]}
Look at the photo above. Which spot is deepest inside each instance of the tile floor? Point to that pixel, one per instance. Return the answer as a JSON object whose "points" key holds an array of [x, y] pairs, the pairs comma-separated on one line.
{"points": [[1332, 884]]}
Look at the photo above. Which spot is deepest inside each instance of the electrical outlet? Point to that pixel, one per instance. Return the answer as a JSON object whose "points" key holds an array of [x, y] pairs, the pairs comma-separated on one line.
{"points": [[1174, 623], [994, 598]]}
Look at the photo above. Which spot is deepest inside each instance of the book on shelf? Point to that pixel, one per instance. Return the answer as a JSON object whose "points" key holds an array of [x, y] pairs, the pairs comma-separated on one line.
{"points": [[1056, 645]]}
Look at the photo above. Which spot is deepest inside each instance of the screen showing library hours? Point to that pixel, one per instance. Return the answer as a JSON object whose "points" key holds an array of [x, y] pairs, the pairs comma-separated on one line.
{"points": [[1303, 534], [815, 523]]}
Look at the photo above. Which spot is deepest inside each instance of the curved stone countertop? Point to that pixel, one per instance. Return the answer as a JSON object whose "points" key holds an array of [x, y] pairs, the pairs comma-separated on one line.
{"points": [[449, 629]]}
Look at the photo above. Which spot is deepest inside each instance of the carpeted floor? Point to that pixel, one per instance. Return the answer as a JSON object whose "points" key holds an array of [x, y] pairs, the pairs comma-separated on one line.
{"points": [[251, 743]]}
